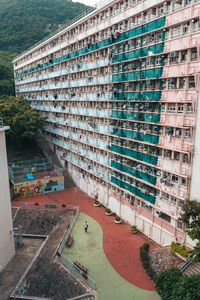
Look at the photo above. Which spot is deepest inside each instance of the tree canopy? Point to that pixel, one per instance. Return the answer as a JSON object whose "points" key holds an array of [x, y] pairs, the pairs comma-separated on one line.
{"points": [[25, 22], [171, 285], [6, 74], [22, 119], [191, 219]]}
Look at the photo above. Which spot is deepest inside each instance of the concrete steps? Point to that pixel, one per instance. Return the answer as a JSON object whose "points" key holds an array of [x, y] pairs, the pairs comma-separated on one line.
{"points": [[192, 269]]}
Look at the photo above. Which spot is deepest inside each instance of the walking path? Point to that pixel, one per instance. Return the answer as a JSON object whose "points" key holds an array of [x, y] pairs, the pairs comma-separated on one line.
{"points": [[121, 248]]}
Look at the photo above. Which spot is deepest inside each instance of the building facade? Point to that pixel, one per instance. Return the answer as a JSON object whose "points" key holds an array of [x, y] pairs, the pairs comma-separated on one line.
{"points": [[7, 249], [119, 87]]}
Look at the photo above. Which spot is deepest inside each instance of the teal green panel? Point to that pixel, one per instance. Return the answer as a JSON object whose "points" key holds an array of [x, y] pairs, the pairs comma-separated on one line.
{"points": [[138, 174], [135, 154], [133, 189]]}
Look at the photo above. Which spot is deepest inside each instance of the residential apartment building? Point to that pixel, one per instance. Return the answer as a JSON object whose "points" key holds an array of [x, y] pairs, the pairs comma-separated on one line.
{"points": [[119, 87], [7, 249]]}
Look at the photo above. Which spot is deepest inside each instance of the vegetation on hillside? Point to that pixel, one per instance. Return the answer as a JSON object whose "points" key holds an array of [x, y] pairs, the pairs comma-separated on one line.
{"points": [[22, 119], [25, 22], [6, 74]]}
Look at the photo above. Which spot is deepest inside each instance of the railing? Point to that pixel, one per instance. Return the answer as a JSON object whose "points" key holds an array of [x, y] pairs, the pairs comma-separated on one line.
{"points": [[80, 273], [1, 122], [67, 233], [185, 266], [64, 26]]}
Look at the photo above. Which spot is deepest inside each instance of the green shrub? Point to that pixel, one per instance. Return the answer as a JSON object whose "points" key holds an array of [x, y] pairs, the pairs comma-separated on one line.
{"points": [[96, 202], [117, 219], [143, 252], [146, 246], [150, 272], [175, 247], [166, 281], [144, 257], [145, 264], [171, 285], [108, 211]]}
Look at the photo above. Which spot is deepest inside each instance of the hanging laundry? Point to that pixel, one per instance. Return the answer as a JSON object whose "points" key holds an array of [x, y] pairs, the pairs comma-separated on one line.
{"points": [[91, 60]]}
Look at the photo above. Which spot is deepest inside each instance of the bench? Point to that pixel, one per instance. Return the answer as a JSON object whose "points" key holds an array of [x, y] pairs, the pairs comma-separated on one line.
{"points": [[69, 241], [81, 267]]}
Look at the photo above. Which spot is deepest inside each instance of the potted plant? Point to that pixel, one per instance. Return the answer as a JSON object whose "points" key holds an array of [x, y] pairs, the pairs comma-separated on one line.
{"points": [[96, 203], [118, 220], [108, 211], [133, 229]]}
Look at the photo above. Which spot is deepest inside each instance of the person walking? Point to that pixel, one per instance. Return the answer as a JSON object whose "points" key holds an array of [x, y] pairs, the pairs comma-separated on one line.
{"points": [[85, 226]]}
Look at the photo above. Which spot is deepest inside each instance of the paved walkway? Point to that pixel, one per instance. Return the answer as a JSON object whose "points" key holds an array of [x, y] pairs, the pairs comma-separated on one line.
{"points": [[120, 246]]}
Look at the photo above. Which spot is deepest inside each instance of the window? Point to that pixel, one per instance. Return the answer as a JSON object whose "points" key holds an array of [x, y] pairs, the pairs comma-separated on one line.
{"points": [[182, 82], [180, 108], [189, 108], [193, 54], [176, 30], [191, 83], [165, 217], [171, 107]]}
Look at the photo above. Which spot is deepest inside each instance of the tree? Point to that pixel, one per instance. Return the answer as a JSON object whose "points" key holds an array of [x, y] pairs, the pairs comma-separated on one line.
{"points": [[22, 119], [191, 219], [166, 282], [171, 285]]}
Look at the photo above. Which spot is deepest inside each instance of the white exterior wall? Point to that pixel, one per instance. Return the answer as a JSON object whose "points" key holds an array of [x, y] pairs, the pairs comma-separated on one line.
{"points": [[7, 249], [126, 212], [195, 178]]}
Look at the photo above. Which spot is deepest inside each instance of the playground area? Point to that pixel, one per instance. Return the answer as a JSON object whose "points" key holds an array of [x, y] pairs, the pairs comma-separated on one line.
{"points": [[34, 177]]}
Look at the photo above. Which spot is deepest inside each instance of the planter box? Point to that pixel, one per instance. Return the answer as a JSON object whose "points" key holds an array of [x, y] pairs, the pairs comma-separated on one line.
{"points": [[96, 205], [108, 214], [118, 222], [180, 256]]}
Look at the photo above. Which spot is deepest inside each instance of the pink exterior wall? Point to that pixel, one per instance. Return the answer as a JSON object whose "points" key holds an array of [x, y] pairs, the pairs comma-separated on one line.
{"points": [[181, 69], [182, 42], [177, 144], [179, 95], [183, 15]]}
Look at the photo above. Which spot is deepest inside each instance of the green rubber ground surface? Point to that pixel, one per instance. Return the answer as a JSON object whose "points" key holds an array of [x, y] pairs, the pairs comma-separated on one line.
{"points": [[87, 248]]}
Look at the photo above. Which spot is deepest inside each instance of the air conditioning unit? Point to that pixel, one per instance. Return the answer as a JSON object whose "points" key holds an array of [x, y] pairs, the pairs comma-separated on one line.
{"points": [[158, 212]]}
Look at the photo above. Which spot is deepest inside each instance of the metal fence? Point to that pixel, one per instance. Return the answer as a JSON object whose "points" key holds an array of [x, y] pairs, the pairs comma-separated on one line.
{"points": [[80, 273], [67, 233]]}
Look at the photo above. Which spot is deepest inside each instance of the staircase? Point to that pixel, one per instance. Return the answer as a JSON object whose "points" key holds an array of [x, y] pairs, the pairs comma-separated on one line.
{"points": [[68, 181], [192, 269]]}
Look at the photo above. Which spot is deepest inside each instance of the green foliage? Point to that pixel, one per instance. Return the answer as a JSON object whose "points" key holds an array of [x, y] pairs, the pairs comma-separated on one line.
{"points": [[22, 119], [146, 246], [166, 282], [96, 202], [25, 22], [172, 285], [145, 264], [191, 219], [188, 288], [117, 219], [108, 211], [133, 228], [6, 74], [177, 248]]}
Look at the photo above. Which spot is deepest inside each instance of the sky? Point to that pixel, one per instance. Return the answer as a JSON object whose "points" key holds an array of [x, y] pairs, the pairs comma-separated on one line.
{"points": [[87, 2]]}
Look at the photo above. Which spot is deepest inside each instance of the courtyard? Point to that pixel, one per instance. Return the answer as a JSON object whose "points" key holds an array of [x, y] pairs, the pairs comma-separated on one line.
{"points": [[108, 250]]}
